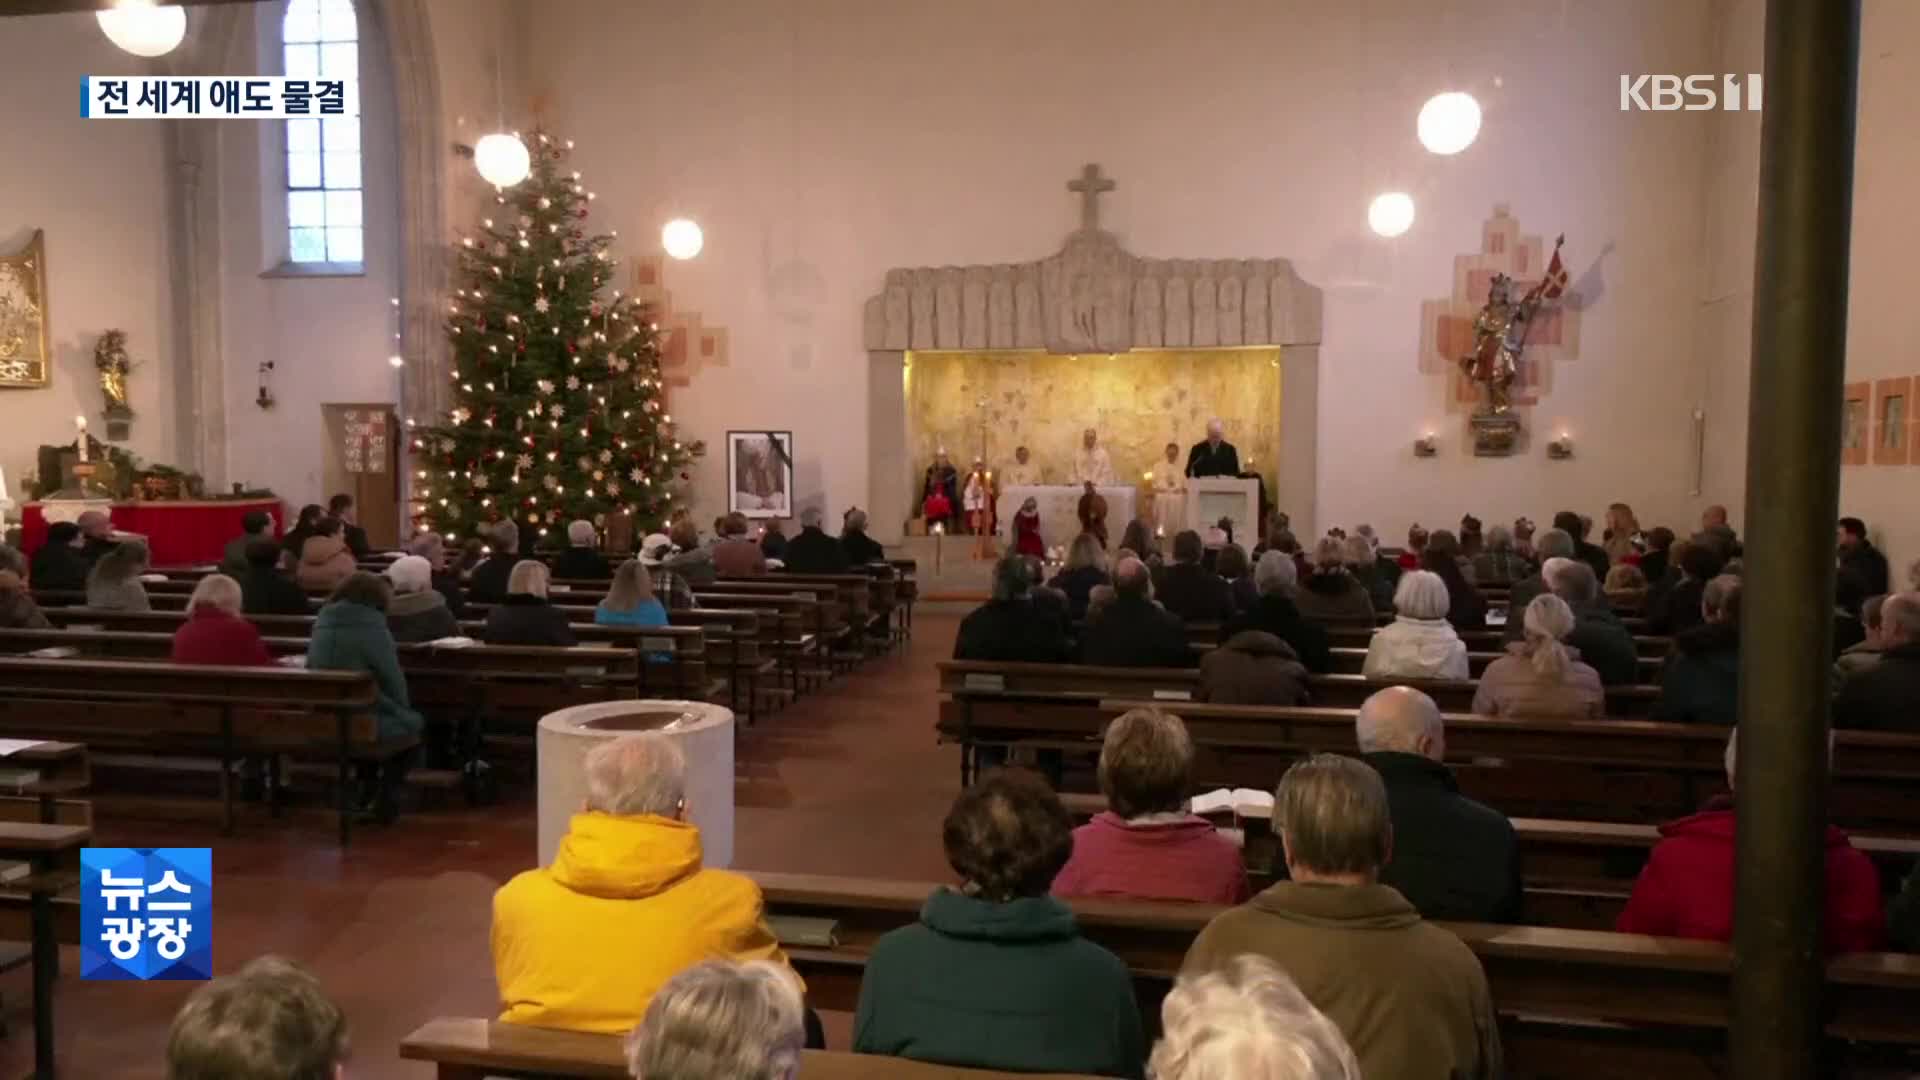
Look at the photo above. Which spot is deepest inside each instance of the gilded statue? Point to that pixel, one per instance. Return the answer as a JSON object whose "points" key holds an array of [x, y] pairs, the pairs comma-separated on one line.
{"points": [[110, 359], [1500, 332]]}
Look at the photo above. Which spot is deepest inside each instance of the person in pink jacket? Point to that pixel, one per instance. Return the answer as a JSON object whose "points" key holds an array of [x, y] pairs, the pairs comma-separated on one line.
{"points": [[1146, 845]]}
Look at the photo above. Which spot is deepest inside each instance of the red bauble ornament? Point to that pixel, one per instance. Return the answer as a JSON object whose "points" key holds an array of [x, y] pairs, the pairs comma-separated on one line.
{"points": [[583, 211]]}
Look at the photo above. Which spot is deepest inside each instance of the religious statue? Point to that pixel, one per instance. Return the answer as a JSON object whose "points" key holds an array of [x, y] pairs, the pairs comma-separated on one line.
{"points": [[1500, 332], [110, 359], [1091, 465], [1170, 492], [940, 490], [1093, 514]]}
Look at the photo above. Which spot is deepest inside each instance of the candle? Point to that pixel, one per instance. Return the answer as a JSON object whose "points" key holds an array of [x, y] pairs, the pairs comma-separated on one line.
{"points": [[80, 424]]}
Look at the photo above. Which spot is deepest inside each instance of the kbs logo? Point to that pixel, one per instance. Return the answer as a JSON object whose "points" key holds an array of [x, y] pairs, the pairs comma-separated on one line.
{"points": [[1693, 93]]}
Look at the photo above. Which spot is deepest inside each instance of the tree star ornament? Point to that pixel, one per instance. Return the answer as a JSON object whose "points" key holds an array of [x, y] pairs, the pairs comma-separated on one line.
{"points": [[637, 475], [541, 305]]}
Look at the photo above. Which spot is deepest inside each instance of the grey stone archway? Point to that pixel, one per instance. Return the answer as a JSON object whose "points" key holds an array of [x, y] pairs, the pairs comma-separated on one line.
{"points": [[1093, 296]]}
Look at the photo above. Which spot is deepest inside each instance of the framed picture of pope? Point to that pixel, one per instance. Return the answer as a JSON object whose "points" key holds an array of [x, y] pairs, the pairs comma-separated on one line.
{"points": [[760, 473]]}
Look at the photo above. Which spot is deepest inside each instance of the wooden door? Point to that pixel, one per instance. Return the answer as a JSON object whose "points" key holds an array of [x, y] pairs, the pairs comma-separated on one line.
{"points": [[363, 460]]}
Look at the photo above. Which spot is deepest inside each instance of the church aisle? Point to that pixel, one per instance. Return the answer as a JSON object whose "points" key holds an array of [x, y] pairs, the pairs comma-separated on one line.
{"points": [[848, 781]]}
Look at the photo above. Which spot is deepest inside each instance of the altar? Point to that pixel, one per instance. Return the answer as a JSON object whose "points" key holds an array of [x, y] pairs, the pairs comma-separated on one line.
{"points": [[1059, 506], [183, 533]]}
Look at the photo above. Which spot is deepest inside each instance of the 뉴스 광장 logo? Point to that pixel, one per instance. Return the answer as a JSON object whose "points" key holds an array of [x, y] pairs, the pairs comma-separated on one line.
{"points": [[146, 913], [1692, 93]]}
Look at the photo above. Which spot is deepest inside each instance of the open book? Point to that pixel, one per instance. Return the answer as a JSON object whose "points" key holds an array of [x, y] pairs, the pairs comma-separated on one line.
{"points": [[1241, 802]]}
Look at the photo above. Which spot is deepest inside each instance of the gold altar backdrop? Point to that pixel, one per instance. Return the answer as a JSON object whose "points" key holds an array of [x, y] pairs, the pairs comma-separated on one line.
{"points": [[1138, 401]]}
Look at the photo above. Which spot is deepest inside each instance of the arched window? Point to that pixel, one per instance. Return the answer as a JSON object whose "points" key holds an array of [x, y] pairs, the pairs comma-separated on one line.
{"points": [[320, 39]]}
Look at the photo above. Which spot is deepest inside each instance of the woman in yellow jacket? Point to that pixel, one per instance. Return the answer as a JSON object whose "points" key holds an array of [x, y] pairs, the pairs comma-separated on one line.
{"points": [[585, 943]]}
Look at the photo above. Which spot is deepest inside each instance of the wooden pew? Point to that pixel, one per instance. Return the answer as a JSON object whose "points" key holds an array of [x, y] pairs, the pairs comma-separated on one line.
{"points": [[43, 904], [472, 1048], [1350, 636], [1348, 661], [1573, 1003], [219, 712]]}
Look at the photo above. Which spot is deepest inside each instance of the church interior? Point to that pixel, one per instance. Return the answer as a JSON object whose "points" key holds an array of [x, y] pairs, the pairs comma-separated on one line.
{"points": [[927, 466]]}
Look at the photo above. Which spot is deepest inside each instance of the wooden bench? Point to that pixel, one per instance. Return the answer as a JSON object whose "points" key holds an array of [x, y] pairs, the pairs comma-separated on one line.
{"points": [[220, 712], [472, 1049], [1349, 636], [43, 909], [1572, 1003], [1348, 661]]}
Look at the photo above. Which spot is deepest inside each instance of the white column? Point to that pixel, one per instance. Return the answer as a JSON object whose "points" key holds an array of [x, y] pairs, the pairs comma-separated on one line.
{"points": [[890, 468]]}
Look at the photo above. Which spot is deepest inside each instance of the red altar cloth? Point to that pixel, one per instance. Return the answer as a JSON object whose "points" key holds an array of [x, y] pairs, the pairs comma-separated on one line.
{"points": [[178, 533]]}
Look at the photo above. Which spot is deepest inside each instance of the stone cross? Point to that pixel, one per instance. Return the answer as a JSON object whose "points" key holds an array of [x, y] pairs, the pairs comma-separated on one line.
{"points": [[1090, 186]]}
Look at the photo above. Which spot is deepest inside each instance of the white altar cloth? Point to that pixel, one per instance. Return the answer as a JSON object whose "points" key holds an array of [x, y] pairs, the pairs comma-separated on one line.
{"points": [[1060, 511]]}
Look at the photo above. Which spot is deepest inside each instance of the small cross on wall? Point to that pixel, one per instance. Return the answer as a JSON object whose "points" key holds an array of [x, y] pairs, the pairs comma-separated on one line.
{"points": [[1090, 186]]}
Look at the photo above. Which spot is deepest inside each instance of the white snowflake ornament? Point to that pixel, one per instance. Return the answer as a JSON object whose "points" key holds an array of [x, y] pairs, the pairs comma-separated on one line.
{"points": [[573, 382], [480, 482], [541, 305], [557, 411], [613, 487], [545, 386], [585, 463], [637, 475], [619, 364], [551, 481], [524, 461]]}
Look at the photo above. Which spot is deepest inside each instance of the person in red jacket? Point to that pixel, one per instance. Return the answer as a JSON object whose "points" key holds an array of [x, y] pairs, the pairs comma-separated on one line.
{"points": [[214, 632], [1687, 887]]}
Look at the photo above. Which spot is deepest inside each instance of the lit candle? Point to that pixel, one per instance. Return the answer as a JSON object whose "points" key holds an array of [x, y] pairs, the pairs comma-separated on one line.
{"points": [[80, 425]]}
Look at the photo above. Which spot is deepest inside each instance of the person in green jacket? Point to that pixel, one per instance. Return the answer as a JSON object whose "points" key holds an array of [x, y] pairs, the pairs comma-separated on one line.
{"points": [[995, 975], [350, 634]]}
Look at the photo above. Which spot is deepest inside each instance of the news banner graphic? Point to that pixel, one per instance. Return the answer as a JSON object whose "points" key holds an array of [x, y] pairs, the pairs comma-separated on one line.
{"points": [[146, 913], [215, 97]]}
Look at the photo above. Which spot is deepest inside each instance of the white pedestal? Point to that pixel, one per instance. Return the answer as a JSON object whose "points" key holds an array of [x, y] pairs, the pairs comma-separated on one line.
{"points": [[1060, 510], [703, 732], [56, 510], [1213, 497]]}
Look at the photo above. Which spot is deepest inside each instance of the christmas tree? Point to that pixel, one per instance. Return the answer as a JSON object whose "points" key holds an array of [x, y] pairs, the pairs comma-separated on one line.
{"points": [[560, 409]]}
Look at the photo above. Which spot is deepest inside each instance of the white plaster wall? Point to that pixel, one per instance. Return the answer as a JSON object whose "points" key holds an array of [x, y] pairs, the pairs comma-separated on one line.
{"points": [[99, 190], [821, 144]]}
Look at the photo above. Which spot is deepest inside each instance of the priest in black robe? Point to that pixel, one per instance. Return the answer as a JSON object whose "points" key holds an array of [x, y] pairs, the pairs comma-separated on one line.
{"points": [[1214, 456]]}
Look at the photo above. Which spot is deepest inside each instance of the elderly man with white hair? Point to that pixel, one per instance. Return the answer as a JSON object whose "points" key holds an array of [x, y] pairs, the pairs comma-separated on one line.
{"points": [[585, 944], [722, 1021], [1274, 577], [446, 581], [1247, 1021], [1598, 635], [1552, 544], [1887, 696], [1134, 630], [813, 551], [1214, 455], [417, 611], [1419, 643], [1452, 857], [582, 561]]}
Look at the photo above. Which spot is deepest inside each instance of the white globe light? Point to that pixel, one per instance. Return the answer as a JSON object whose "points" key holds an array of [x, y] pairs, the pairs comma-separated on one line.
{"points": [[1449, 122], [502, 159], [1391, 214], [682, 238], [397, 360], [143, 29]]}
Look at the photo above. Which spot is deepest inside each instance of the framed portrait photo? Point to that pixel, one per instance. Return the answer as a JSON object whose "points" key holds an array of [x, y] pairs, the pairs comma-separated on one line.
{"points": [[760, 473]]}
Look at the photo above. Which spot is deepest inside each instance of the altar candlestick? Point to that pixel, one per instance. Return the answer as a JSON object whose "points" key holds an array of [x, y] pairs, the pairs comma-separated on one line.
{"points": [[80, 423]]}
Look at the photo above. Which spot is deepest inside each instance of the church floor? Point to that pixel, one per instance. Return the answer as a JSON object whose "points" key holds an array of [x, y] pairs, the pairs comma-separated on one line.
{"points": [[847, 781]]}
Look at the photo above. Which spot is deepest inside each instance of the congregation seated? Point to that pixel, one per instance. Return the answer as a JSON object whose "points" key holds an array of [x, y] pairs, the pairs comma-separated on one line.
{"points": [[735, 554], [255, 526], [446, 580], [1886, 696], [1247, 1021], [487, 584], [1376, 574], [1410, 997], [861, 549], [417, 612], [1621, 538], [1498, 565], [341, 509], [1419, 643], [719, 1020], [350, 634], [1676, 608], [1189, 590], [295, 538], [1139, 539], [1252, 667], [1086, 567], [1601, 639], [1009, 627], [669, 587], [325, 559], [114, 582], [1466, 608], [17, 608], [811, 552], [1099, 599], [271, 1020], [214, 632], [1625, 588], [58, 565], [1452, 857], [579, 561], [526, 616], [1686, 889], [1134, 630], [630, 600], [1540, 678], [1849, 595], [266, 590], [1233, 566], [995, 974], [1858, 555], [773, 541], [1864, 655], [1330, 593], [96, 536], [1700, 682], [1416, 547], [1577, 527], [1656, 560], [1275, 613], [1146, 845], [1551, 544], [584, 944]]}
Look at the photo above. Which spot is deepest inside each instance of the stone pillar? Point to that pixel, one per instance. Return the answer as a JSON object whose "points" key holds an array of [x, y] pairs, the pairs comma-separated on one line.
{"points": [[890, 466], [1296, 474]]}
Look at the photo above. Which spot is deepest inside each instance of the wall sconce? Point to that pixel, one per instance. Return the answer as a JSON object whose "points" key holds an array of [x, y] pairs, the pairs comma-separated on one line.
{"points": [[1561, 448], [1424, 446]]}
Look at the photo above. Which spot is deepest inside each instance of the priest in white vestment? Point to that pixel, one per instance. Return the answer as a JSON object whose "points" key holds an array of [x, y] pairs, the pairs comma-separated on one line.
{"points": [[1170, 493], [1091, 465], [1023, 472]]}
